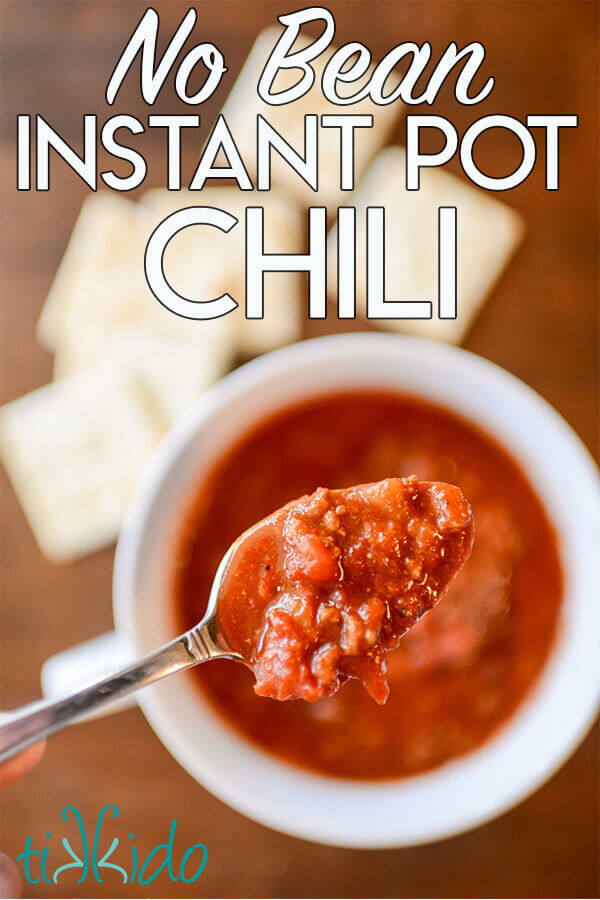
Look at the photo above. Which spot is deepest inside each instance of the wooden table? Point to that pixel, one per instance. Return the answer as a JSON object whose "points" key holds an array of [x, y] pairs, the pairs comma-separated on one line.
{"points": [[541, 323]]}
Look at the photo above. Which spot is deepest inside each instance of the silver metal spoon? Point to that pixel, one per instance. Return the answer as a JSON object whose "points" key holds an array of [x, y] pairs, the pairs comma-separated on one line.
{"points": [[29, 724]]}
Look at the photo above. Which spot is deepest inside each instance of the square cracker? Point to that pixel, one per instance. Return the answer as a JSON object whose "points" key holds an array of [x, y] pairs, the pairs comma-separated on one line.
{"points": [[73, 450], [175, 369], [107, 232], [101, 281], [243, 105], [100, 305], [219, 260], [488, 233]]}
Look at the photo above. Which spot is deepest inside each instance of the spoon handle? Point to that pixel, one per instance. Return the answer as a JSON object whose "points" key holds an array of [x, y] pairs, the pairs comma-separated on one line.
{"points": [[31, 723]]}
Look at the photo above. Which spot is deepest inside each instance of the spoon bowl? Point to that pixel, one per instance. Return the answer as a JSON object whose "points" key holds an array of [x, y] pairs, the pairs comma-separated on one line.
{"points": [[331, 598]]}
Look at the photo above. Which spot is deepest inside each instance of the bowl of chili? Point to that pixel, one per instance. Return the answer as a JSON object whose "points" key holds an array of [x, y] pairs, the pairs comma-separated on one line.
{"points": [[490, 699]]}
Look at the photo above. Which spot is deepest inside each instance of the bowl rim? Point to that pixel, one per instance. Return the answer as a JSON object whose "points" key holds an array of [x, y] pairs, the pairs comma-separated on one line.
{"points": [[343, 830]]}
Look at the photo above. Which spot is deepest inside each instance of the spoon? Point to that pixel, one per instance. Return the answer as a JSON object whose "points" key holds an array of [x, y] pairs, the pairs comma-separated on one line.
{"points": [[38, 720], [316, 594]]}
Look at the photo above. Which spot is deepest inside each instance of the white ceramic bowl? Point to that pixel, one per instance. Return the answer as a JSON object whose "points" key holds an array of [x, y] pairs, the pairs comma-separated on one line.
{"points": [[465, 792]]}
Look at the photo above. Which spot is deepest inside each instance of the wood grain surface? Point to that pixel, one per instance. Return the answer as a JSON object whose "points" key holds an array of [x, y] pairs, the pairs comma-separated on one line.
{"points": [[541, 323]]}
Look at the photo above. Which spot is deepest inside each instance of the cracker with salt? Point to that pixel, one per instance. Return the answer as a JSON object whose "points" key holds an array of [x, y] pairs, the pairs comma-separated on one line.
{"points": [[74, 450], [488, 233], [218, 260], [243, 105]]}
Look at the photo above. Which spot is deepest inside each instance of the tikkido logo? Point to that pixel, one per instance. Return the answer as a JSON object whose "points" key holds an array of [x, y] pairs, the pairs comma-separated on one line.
{"points": [[95, 859]]}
